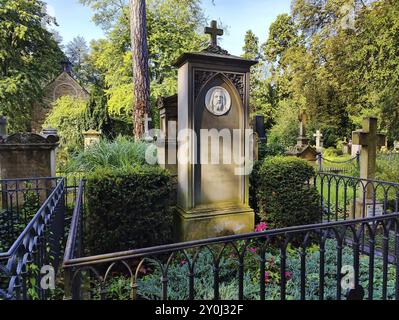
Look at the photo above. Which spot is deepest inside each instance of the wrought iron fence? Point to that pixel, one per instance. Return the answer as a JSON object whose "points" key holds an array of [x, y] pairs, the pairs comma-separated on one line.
{"points": [[39, 243], [72, 180], [343, 197], [20, 200], [332, 260], [391, 155], [334, 166]]}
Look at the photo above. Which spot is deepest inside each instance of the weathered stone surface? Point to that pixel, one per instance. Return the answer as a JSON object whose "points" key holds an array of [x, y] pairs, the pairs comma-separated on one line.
{"points": [[212, 199], [167, 145], [26, 155], [91, 137], [302, 149], [369, 140]]}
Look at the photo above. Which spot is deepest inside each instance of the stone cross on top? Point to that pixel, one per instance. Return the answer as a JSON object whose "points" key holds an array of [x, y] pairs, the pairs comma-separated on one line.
{"points": [[214, 32], [319, 140], [370, 140]]}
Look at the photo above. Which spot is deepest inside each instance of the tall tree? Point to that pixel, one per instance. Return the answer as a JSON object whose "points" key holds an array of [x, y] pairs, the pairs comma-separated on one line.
{"points": [[261, 101], [173, 27], [77, 53], [29, 58], [141, 79]]}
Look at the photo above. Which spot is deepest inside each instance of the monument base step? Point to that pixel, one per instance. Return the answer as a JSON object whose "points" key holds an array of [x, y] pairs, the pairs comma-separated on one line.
{"points": [[208, 222]]}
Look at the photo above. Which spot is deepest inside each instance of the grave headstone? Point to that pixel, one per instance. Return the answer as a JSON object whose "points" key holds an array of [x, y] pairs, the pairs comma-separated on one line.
{"points": [[91, 137], [259, 133], [319, 141], [370, 141], [302, 149], [28, 155], [213, 98], [167, 146]]}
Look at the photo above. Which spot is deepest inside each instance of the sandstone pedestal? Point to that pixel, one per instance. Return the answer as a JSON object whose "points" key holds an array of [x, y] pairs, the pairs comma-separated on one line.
{"points": [[91, 137], [28, 155], [213, 98]]}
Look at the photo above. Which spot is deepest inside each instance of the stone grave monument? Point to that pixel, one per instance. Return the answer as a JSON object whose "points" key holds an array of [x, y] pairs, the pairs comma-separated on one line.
{"points": [[302, 149], [213, 97], [167, 146], [370, 141], [319, 141], [91, 137], [28, 155]]}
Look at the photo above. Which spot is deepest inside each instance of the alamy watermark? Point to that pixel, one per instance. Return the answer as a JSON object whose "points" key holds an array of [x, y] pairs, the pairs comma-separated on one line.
{"points": [[205, 146]]}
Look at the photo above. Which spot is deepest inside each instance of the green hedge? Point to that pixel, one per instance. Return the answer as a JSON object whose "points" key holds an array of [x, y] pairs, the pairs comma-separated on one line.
{"points": [[283, 195], [128, 209]]}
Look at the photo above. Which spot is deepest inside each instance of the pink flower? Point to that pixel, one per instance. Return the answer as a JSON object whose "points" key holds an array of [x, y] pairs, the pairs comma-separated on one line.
{"points": [[267, 276], [288, 275], [253, 250], [183, 262], [261, 227]]}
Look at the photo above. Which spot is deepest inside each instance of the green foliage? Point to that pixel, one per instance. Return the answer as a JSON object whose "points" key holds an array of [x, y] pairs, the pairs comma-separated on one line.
{"points": [[149, 285], [173, 27], [388, 169], [96, 114], [283, 194], [271, 149], [338, 60], [261, 98], [77, 52], [29, 58], [283, 34], [67, 116], [122, 153], [285, 131], [128, 209]]}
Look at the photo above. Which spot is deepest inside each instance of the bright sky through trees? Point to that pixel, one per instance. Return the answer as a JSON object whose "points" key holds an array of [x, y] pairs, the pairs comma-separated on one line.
{"points": [[74, 19]]}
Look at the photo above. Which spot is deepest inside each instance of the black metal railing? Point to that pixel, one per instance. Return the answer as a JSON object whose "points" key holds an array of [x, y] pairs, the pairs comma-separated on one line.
{"points": [[38, 245], [390, 155], [332, 260], [344, 197], [334, 166], [20, 200], [72, 180]]}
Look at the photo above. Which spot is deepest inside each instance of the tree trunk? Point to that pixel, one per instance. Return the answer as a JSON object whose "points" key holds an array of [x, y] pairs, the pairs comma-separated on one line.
{"points": [[141, 81]]}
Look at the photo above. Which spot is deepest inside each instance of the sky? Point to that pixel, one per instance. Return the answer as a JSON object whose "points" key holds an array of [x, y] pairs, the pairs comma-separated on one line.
{"points": [[238, 16]]}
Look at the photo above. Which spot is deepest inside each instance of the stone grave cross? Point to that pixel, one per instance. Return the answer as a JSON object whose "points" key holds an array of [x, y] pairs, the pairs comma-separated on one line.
{"points": [[319, 142], [214, 32], [302, 140], [369, 140]]}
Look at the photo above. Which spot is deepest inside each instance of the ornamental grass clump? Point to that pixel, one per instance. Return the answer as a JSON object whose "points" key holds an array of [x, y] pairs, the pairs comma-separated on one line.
{"points": [[122, 153]]}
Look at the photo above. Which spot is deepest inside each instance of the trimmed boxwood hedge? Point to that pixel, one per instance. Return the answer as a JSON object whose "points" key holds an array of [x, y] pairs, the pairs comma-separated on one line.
{"points": [[284, 196], [128, 209]]}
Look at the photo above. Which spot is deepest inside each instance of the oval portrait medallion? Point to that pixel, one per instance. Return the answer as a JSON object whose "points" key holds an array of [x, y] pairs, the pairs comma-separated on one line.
{"points": [[218, 101]]}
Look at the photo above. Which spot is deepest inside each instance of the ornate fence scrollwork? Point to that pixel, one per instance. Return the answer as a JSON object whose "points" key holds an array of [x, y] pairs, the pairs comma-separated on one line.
{"points": [[40, 241], [308, 262]]}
